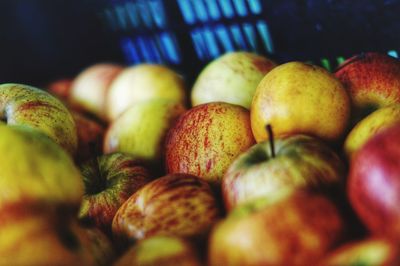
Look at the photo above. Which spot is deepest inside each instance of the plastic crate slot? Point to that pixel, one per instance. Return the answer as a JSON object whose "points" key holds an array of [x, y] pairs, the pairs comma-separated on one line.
{"points": [[200, 10], [171, 47], [187, 11], [255, 6], [122, 17], [133, 14], [157, 10], [224, 38], [263, 30], [326, 64], [227, 8], [110, 19], [145, 13], [241, 8], [238, 36], [211, 42], [393, 53], [251, 36], [130, 51], [143, 44], [199, 44], [340, 60], [213, 9]]}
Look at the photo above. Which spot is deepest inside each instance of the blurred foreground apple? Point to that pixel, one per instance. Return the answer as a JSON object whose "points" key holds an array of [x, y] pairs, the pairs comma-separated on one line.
{"points": [[231, 78], [90, 87], [144, 82], [269, 171], [300, 98], [372, 81], [109, 181], [295, 230], [374, 183], [178, 204], [160, 251], [207, 138]]}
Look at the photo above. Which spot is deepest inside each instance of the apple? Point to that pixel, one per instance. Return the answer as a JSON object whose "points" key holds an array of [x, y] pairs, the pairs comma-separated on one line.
{"points": [[295, 162], [178, 204], [90, 134], [60, 88], [232, 78], [161, 251], [143, 82], [141, 130], [206, 139], [29, 106], [371, 251], [369, 126], [374, 183], [296, 98], [295, 230], [372, 81], [109, 181], [90, 87], [36, 171]]}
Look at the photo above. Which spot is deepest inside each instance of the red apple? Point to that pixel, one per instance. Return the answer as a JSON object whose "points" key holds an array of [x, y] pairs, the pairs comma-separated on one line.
{"points": [[207, 138], [109, 181], [60, 88], [374, 183]]}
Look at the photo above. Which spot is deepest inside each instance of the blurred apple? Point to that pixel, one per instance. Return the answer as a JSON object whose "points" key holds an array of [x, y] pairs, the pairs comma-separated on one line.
{"points": [[374, 183], [297, 161], [143, 82], [372, 251], [141, 130], [295, 230], [29, 106], [207, 138], [369, 126], [231, 78], [300, 98], [90, 87], [109, 181], [372, 81], [60, 88], [160, 251], [178, 204]]}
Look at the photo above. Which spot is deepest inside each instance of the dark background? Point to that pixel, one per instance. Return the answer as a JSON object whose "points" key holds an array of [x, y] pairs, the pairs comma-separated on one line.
{"points": [[44, 40]]}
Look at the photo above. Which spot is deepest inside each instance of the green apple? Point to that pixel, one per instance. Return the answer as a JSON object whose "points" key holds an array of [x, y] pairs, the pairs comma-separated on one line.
{"points": [[160, 251], [206, 139], [178, 204], [144, 82], [369, 126], [231, 78], [298, 161], [141, 129], [295, 230], [29, 106], [109, 181]]}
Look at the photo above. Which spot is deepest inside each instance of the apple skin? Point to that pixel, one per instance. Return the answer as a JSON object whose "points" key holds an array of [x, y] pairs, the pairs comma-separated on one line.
{"points": [[161, 251], [232, 78], [295, 230], [35, 170], [178, 204], [371, 251], [144, 82], [60, 88], [299, 98], [300, 162], [372, 81], [90, 88], [206, 139], [369, 126], [374, 183], [109, 181], [29, 106], [142, 128]]}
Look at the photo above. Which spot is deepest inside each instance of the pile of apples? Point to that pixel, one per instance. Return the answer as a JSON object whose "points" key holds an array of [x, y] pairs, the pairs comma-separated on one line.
{"points": [[257, 163]]}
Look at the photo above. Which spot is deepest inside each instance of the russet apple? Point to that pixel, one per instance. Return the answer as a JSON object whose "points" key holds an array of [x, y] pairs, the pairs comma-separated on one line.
{"points": [[160, 251], [178, 204], [296, 161], [232, 78], [109, 181], [144, 82], [295, 98], [90, 87], [374, 183], [369, 126], [295, 230], [372, 81], [29, 106], [141, 130], [206, 139]]}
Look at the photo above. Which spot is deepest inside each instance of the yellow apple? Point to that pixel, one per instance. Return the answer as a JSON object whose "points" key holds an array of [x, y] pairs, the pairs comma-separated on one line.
{"points": [[300, 98], [231, 78], [143, 82]]}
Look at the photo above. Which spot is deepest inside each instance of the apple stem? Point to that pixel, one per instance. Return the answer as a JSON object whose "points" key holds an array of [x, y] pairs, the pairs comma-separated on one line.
{"points": [[271, 139]]}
